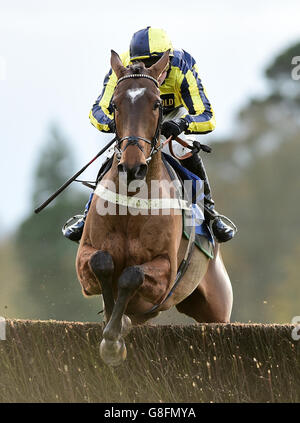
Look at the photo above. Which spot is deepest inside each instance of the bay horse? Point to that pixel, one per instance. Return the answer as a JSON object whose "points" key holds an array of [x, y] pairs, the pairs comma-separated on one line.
{"points": [[132, 260]]}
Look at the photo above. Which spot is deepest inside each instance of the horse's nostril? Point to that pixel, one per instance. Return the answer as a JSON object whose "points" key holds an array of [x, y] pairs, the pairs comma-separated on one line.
{"points": [[141, 171], [136, 172]]}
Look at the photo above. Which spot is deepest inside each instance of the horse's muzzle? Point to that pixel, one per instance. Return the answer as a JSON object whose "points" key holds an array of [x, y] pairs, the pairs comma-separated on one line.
{"points": [[137, 172]]}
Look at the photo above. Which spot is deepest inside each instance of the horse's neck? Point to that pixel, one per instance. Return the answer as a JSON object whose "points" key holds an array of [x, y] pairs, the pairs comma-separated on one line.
{"points": [[155, 171], [155, 168]]}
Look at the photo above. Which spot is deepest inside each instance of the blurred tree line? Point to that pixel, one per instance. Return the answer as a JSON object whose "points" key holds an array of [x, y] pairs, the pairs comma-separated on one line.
{"points": [[46, 285], [255, 181]]}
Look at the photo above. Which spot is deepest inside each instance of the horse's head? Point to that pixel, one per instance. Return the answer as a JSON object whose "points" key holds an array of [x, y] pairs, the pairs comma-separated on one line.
{"points": [[137, 113]]}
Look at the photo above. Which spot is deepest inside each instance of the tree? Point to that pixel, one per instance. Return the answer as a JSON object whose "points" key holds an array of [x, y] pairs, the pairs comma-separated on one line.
{"points": [[256, 183], [55, 165], [47, 258], [254, 176]]}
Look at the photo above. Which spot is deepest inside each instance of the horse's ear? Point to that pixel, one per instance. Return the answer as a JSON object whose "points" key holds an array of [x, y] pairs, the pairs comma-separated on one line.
{"points": [[116, 64], [160, 65]]}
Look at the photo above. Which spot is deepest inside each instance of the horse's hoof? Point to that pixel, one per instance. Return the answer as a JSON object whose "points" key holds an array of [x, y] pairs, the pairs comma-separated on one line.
{"points": [[113, 353], [126, 325]]}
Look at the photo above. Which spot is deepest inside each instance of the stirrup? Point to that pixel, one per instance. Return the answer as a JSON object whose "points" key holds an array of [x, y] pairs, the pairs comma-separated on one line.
{"points": [[230, 222], [72, 221], [68, 226], [213, 214]]}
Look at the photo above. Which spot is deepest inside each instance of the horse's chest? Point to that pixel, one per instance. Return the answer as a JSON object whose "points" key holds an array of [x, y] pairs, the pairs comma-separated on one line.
{"points": [[138, 240], [141, 248], [135, 248], [129, 250]]}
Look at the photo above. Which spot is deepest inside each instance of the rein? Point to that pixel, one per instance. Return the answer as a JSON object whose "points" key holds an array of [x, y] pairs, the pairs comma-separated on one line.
{"points": [[196, 147], [133, 139]]}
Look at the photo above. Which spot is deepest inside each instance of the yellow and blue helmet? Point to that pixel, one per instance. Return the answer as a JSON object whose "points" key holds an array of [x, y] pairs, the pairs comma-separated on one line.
{"points": [[148, 43]]}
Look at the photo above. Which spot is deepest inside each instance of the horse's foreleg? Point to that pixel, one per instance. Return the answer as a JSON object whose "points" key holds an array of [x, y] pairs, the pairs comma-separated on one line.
{"points": [[112, 348], [102, 266], [89, 283], [129, 282]]}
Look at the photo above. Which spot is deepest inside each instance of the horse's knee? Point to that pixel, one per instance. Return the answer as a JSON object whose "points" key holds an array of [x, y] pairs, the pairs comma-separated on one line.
{"points": [[131, 279], [129, 282], [102, 264]]}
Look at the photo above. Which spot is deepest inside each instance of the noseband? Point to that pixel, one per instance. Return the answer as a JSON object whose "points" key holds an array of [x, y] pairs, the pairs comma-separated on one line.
{"points": [[133, 139]]}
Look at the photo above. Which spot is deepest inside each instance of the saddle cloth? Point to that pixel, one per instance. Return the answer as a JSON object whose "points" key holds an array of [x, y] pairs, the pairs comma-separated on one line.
{"points": [[203, 235]]}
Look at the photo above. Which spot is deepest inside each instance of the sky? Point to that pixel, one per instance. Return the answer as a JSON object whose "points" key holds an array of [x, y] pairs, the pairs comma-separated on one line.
{"points": [[55, 54]]}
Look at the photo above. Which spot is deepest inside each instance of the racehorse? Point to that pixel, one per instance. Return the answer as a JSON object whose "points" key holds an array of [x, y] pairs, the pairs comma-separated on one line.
{"points": [[132, 260]]}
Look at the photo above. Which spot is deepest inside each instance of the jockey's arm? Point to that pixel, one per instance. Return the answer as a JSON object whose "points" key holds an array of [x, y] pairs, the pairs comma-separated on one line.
{"points": [[101, 115], [200, 117]]}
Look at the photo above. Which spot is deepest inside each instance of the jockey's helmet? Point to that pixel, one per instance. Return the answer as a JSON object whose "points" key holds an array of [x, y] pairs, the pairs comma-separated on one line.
{"points": [[149, 43]]}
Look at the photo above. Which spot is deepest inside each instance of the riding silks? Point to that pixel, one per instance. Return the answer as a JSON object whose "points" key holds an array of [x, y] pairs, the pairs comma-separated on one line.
{"points": [[182, 87]]}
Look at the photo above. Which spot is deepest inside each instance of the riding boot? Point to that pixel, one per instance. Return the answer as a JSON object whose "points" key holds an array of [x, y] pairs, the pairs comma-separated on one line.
{"points": [[221, 231], [73, 228]]}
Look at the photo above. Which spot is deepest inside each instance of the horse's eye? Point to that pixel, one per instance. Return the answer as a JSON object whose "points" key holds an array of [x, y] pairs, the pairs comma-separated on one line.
{"points": [[114, 106], [156, 104]]}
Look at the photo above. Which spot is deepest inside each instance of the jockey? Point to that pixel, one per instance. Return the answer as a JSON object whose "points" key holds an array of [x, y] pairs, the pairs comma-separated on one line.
{"points": [[186, 110]]}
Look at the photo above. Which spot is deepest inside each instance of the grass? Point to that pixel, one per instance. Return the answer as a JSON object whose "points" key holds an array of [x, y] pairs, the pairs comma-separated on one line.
{"points": [[51, 361]]}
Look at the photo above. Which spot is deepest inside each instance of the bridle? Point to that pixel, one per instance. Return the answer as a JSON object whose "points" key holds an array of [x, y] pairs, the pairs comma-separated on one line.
{"points": [[133, 139]]}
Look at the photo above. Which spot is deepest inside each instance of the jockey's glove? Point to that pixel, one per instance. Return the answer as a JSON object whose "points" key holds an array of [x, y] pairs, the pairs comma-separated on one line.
{"points": [[174, 127]]}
